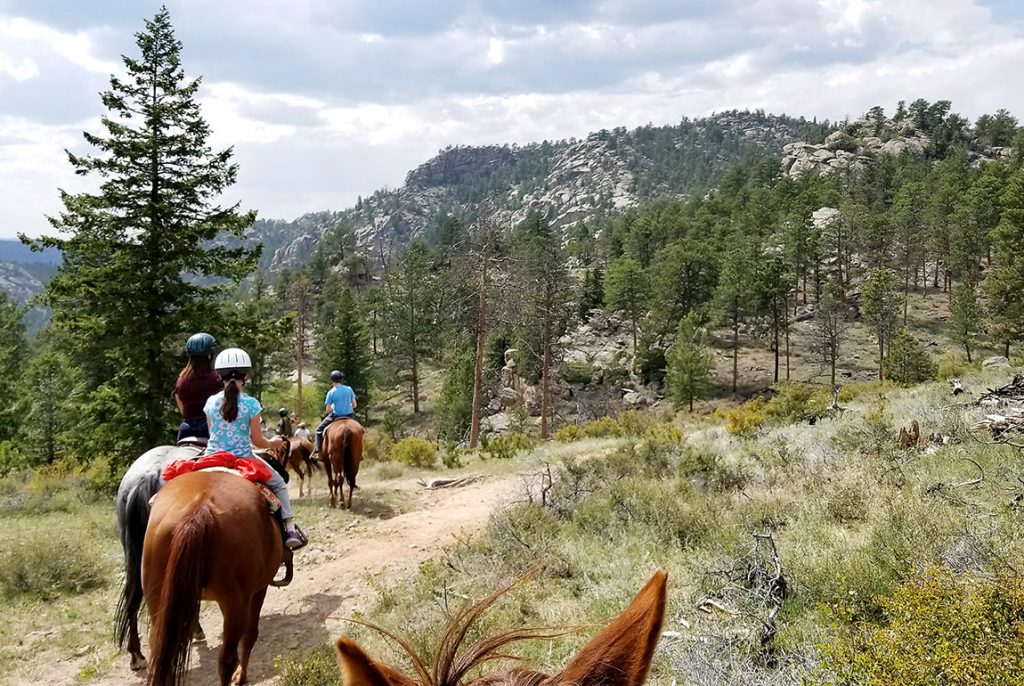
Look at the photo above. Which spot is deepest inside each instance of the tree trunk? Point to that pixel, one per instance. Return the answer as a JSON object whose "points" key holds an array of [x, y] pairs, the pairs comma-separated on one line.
{"points": [[832, 358], [787, 346], [481, 340], [735, 349], [881, 357], [1006, 349], [967, 347], [775, 344], [545, 379]]}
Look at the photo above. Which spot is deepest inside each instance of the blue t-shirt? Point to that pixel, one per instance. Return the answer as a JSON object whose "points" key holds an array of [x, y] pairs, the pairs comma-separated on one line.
{"points": [[231, 436], [341, 397]]}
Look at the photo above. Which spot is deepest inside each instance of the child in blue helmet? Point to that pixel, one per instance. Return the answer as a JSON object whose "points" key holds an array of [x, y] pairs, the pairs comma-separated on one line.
{"points": [[340, 402]]}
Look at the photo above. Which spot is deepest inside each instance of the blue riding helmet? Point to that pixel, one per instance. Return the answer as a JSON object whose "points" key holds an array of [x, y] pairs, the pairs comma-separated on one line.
{"points": [[200, 345]]}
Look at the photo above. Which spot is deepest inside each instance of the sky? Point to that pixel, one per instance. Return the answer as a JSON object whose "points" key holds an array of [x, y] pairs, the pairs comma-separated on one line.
{"points": [[327, 100]]}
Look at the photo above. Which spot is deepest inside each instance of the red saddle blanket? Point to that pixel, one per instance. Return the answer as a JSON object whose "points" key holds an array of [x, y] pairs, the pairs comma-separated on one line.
{"points": [[253, 470]]}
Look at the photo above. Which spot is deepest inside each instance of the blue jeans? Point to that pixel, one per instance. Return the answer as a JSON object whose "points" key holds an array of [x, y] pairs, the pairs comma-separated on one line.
{"points": [[279, 487], [193, 428], [328, 420]]}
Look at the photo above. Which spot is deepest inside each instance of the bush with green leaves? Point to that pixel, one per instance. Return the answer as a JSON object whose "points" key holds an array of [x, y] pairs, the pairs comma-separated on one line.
{"points": [[415, 452], [938, 628], [907, 362], [796, 401], [570, 433], [506, 446], [579, 371], [377, 446]]}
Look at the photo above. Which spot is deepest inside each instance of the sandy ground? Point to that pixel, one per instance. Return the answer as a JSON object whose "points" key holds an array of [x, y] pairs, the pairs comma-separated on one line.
{"points": [[332, 578]]}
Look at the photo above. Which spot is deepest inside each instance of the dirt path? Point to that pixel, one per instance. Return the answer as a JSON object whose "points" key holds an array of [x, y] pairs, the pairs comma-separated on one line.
{"points": [[333, 581]]}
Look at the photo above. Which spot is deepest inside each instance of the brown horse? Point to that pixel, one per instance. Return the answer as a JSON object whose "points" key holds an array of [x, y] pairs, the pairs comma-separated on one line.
{"points": [[343, 451], [210, 537], [299, 461], [620, 655]]}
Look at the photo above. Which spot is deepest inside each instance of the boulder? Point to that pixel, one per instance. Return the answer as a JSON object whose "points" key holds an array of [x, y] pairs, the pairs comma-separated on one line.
{"points": [[634, 399], [508, 397], [997, 361], [496, 423]]}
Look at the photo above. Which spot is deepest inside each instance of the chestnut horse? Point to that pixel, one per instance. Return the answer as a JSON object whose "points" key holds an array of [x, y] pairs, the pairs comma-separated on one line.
{"points": [[620, 655], [139, 484], [343, 451], [210, 537], [299, 461]]}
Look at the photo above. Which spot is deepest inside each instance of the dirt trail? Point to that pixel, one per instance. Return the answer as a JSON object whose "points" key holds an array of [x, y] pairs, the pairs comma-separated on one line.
{"points": [[331, 584]]}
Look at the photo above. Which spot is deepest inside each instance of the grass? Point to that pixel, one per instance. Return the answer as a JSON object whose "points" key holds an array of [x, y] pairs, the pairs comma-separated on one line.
{"points": [[852, 518]]}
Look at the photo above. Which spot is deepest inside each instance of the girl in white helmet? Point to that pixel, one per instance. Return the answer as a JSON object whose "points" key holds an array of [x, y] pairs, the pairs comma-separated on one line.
{"points": [[234, 419]]}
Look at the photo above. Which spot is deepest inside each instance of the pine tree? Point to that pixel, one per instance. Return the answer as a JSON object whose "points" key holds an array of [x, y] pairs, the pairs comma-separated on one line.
{"points": [[50, 417], [626, 289], [881, 309], [690, 364], [13, 352], [138, 254], [455, 406], [344, 344], [965, 316], [407, 314], [1005, 283], [543, 280], [908, 363], [830, 327], [736, 296]]}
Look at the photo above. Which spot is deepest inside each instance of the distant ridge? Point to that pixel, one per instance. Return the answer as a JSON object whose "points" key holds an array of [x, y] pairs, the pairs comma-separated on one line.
{"points": [[12, 250]]}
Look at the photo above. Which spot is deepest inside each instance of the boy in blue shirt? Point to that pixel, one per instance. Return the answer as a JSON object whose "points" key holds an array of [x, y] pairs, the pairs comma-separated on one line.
{"points": [[340, 402]]}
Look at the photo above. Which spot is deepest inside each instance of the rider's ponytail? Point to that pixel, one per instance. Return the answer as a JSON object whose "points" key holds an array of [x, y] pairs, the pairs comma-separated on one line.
{"points": [[229, 410]]}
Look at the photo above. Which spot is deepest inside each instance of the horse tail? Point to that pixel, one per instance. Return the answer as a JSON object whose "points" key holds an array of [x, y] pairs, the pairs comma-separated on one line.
{"points": [[180, 594], [311, 462], [133, 517], [346, 456]]}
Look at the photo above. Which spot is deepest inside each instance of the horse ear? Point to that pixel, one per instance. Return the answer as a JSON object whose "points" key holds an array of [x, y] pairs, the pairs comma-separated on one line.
{"points": [[357, 669], [621, 654]]}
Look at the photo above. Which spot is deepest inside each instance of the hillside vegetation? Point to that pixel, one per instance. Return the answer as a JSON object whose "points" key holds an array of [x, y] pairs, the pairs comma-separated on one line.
{"points": [[815, 554]]}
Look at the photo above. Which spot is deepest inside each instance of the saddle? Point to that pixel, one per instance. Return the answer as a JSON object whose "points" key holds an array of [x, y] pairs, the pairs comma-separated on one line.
{"points": [[192, 441]]}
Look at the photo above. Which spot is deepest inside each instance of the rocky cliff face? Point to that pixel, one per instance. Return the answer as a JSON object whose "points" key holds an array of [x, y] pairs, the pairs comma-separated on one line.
{"points": [[567, 181], [18, 283]]}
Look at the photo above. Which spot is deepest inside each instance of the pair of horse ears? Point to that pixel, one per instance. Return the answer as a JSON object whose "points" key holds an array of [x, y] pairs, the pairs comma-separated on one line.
{"points": [[620, 655]]}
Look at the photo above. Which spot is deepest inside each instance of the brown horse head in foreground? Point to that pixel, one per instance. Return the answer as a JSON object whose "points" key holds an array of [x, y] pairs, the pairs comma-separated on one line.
{"points": [[620, 655], [210, 537], [342, 451]]}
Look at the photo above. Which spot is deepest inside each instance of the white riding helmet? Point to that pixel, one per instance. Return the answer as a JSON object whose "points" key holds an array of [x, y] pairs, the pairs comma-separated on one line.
{"points": [[232, 359]]}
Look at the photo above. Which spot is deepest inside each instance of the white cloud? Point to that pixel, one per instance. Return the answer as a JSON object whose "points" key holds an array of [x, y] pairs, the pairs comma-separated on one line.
{"points": [[329, 102]]}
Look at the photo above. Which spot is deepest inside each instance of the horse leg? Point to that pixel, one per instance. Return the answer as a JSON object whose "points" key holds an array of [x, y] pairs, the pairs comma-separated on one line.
{"points": [[236, 620], [252, 632], [134, 644]]}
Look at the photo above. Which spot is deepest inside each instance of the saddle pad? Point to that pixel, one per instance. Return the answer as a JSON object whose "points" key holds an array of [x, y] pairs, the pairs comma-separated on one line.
{"points": [[273, 502], [253, 470]]}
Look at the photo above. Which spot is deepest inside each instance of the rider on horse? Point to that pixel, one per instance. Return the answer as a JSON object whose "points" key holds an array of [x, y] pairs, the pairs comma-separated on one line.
{"points": [[234, 419], [284, 426], [196, 382], [339, 404]]}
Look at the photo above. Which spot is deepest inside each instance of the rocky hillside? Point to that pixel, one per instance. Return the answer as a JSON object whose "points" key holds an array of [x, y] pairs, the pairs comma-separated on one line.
{"points": [[568, 181]]}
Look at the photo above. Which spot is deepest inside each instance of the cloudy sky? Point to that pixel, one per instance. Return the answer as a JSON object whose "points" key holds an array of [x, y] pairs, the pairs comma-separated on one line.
{"points": [[324, 100]]}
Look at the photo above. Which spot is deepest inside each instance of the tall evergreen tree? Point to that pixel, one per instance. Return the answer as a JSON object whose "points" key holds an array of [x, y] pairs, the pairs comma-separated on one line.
{"points": [[407, 313], [736, 296], [690, 365], [540, 263], [964, 316], [830, 327], [344, 344], [626, 289], [13, 352], [137, 255], [881, 309], [1005, 283]]}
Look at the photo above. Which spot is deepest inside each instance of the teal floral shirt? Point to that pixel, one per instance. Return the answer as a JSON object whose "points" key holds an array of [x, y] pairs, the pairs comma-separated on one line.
{"points": [[231, 436]]}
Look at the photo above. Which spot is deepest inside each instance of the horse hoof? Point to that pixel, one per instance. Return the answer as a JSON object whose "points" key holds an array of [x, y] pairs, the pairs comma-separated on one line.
{"points": [[138, 662], [239, 676]]}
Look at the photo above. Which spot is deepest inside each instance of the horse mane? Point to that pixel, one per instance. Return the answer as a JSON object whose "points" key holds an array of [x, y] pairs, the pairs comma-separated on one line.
{"points": [[452, 661], [304, 442]]}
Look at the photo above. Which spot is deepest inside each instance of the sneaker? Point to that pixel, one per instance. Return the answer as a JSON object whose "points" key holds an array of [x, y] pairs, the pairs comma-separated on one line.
{"points": [[294, 539]]}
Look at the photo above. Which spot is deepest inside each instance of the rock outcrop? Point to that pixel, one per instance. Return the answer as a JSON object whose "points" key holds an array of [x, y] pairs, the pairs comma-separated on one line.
{"points": [[853, 147]]}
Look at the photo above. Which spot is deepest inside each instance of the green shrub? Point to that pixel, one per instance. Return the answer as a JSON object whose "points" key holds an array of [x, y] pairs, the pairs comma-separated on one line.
{"points": [[507, 446], [847, 502], [744, 420], [937, 629], [579, 371], [50, 561], [570, 433], [635, 423], [907, 362], [451, 455], [664, 431], [856, 390], [602, 428], [377, 446], [393, 423], [11, 459], [953, 365], [796, 401], [318, 667], [415, 452]]}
